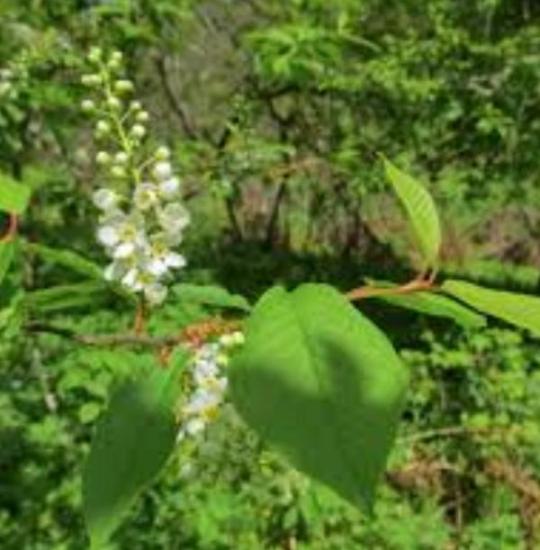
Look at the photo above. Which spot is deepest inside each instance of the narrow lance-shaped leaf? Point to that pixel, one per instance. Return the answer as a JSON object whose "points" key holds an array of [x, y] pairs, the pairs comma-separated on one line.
{"points": [[517, 309], [67, 258], [14, 196], [420, 209], [323, 385], [432, 304], [133, 440]]}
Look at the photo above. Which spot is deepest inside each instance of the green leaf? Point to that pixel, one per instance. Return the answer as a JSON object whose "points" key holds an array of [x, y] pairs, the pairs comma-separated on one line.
{"points": [[421, 211], [323, 385], [14, 196], [133, 440], [67, 296], [7, 249], [521, 310], [211, 296], [432, 304], [67, 258]]}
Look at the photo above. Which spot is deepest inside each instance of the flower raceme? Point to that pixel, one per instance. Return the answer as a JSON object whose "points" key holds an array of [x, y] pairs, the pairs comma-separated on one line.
{"points": [[142, 218], [208, 384]]}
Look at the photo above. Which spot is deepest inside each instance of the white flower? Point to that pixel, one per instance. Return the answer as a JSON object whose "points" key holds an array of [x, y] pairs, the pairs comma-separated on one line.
{"points": [[162, 170], [105, 199], [174, 218], [155, 293], [115, 271], [161, 258], [108, 236], [169, 188], [145, 196], [122, 235], [194, 426]]}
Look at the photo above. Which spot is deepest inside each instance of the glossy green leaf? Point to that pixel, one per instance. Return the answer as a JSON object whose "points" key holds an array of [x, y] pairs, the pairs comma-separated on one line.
{"points": [[14, 196], [420, 209], [209, 295], [323, 385], [521, 310], [432, 304], [133, 440]]}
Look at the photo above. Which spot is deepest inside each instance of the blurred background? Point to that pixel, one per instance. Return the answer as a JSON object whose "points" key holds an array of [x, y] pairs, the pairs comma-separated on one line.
{"points": [[276, 113]]}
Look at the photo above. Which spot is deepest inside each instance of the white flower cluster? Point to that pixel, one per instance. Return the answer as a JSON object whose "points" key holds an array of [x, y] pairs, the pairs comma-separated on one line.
{"points": [[142, 219], [209, 384]]}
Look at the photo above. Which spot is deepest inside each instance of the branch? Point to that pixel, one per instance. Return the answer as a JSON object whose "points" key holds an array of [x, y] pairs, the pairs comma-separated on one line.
{"points": [[11, 228], [106, 340], [193, 335], [416, 285], [174, 102]]}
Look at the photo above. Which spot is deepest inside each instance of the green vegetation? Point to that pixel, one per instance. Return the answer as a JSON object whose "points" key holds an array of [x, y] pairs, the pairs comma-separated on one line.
{"points": [[350, 358]]}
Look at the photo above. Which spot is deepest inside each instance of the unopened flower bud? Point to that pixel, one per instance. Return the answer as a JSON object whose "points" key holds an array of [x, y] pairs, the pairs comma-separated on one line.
{"points": [[135, 105], [142, 116], [118, 171], [162, 170], [87, 105], [91, 80], [114, 103], [163, 153], [115, 61], [95, 55], [103, 127], [123, 86], [121, 158], [138, 131], [103, 158]]}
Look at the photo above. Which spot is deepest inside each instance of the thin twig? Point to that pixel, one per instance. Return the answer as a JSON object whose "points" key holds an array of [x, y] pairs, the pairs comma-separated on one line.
{"points": [[417, 285], [11, 229]]}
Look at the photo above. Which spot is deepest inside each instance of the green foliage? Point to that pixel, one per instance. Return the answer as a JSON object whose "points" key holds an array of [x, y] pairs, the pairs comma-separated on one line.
{"points": [[433, 304], [310, 355], [14, 197], [517, 309], [421, 212], [7, 250], [133, 440], [274, 112], [210, 296]]}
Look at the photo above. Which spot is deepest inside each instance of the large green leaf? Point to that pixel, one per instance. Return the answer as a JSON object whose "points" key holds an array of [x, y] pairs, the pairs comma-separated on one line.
{"points": [[323, 385], [211, 296], [133, 440], [420, 209], [432, 304], [14, 196], [517, 309]]}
